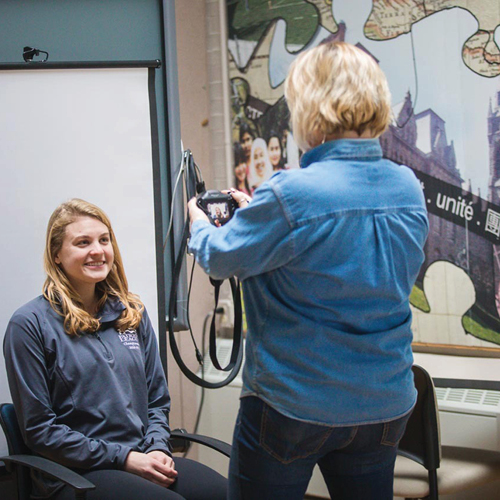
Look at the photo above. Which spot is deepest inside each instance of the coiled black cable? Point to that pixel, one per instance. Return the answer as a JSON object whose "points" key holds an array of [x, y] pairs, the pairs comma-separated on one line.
{"points": [[195, 185]]}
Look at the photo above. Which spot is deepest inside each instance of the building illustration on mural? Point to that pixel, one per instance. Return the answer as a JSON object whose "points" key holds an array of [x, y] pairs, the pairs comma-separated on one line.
{"points": [[494, 181], [419, 141], [494, 144], [464, 228]]}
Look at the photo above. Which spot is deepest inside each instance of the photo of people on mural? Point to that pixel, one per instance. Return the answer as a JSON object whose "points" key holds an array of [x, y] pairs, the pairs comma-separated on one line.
{"points": [[258, 157]]}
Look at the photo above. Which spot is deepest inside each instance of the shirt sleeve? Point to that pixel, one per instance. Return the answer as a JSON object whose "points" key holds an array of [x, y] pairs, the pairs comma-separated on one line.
{"points": [[25, 359], [258, 239], [158, 431]]}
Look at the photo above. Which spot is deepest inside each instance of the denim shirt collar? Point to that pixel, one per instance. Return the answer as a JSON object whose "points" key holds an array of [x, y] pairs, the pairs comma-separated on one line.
{"points": [[360, 149]]}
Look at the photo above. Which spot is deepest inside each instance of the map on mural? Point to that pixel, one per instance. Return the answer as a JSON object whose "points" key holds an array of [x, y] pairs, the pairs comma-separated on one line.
{"points": [[480, 53], [256, 21]]}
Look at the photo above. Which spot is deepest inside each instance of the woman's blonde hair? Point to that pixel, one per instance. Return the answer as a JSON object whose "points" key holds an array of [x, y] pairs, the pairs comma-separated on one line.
{"points": [[57, 288], [334, 88]]}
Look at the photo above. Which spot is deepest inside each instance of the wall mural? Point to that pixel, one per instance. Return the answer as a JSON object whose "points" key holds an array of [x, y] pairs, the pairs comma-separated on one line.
{"points": [[442, 60]]}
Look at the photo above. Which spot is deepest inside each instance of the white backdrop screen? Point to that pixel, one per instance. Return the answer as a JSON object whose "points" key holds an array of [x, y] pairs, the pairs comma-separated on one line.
{"points": [[82, 133]]}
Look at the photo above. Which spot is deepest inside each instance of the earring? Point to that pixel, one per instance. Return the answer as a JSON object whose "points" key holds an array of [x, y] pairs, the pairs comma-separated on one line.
{"points": [[324, 139]]}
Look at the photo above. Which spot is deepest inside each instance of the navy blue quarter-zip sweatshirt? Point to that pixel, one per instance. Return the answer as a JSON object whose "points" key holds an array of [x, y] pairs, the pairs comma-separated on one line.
{"points": [[86, 402]]}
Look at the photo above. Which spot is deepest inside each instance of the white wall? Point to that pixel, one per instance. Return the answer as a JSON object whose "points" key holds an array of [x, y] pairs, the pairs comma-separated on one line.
{"points": [[459, 367]]}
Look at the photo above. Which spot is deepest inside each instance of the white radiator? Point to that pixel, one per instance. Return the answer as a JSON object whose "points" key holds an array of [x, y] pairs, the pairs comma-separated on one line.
{"points": [[468, 417]]}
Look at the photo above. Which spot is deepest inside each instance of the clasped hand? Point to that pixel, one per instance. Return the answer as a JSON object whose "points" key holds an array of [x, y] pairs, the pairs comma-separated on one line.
{"points": [[155, 466]]}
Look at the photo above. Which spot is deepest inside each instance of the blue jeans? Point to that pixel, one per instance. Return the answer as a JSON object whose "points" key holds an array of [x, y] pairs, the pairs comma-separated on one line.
{"points": [[273, 456]]}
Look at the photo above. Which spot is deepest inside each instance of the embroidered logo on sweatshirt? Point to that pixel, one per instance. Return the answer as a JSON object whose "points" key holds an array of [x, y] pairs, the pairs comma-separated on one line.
{"points": [[129, 338]]}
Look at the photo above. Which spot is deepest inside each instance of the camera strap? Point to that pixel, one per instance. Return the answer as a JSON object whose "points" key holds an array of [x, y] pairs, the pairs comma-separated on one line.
{"points": [[236, 292]]}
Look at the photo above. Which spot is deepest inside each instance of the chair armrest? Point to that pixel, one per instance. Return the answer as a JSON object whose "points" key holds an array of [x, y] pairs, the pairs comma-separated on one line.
{"points": [[51, 469], [411, 456], [215, 444]]}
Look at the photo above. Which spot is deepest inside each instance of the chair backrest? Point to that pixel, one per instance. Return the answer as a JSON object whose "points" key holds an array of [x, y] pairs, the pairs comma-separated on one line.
{"points": [[421, 441], [10, 426], [16, 445]]}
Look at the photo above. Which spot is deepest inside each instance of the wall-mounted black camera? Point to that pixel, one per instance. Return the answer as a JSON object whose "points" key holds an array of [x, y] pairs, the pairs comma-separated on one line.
{"points": [[29, 54], [219, 207]]}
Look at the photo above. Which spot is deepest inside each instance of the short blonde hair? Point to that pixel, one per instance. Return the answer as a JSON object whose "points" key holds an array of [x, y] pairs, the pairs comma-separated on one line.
{"points": [[57, 288], [335, 88]]}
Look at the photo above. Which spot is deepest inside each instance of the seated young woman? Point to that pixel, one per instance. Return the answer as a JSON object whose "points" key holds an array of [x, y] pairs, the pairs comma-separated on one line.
{"points": [[85, 375]]}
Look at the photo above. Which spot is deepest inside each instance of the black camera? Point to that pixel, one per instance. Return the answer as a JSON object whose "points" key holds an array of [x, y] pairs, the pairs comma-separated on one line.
{"points": [[218, 206]]}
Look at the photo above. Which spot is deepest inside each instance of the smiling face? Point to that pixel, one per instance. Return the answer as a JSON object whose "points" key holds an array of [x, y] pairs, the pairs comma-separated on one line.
{"points": [[86, 255], [240, 172], [246, 144], [258, 160], [274, 149]]}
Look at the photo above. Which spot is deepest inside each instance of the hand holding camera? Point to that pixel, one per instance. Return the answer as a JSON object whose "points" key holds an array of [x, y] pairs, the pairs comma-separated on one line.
{"points": [[217, 207], [239, 197]]}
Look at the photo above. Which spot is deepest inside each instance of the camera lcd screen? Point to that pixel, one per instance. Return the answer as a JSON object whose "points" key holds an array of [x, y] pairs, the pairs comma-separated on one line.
{"points": [[219, 212]]}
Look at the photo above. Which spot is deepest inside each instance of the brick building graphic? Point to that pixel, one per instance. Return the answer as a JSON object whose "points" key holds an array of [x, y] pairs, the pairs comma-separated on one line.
{"points": [[464, 227], [494, 145], [494, 178], [419, 141]]}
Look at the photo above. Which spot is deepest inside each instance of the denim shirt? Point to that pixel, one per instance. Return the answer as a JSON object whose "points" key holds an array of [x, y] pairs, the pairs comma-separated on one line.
{"points": [[328, 255]]}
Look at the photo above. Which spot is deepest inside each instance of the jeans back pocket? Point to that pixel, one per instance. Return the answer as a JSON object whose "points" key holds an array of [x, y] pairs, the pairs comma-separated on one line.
{"points": [[394, 430], [287, 439]]}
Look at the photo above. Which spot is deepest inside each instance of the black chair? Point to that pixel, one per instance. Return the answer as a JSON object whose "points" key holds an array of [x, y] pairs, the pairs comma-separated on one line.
{"points": [[21, 460], [424, 468]]}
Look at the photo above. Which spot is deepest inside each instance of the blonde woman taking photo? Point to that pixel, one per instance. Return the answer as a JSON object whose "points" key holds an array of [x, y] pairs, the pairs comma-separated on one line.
{"points": [[328, 255], [85, 374]]}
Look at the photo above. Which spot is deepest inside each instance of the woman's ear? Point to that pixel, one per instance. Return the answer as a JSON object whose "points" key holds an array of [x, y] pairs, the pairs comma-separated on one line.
{"points": [[316, 138], [57, 260]]}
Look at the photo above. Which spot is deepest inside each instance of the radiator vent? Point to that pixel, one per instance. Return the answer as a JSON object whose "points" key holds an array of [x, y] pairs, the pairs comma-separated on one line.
{"points": [[469, 400], [474, 396], [492, 398]]}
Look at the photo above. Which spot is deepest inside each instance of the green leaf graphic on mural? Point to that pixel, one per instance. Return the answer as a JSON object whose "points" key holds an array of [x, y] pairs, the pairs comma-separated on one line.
{"points": [[417, 298], [251, 18]]}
